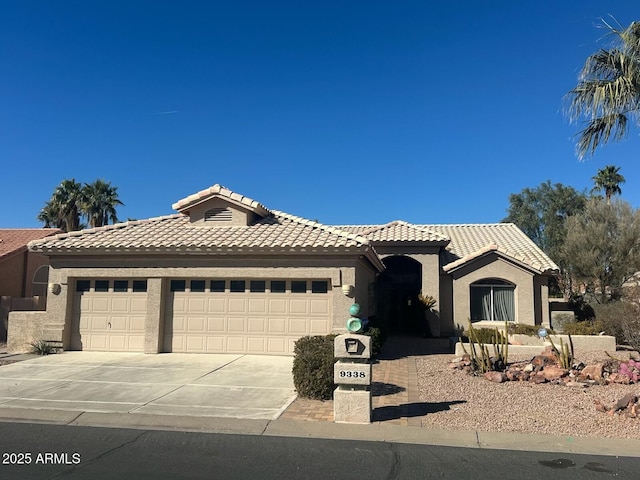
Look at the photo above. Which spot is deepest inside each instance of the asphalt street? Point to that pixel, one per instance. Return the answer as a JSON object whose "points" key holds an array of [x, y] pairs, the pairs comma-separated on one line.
{"points": [[40, 451]]}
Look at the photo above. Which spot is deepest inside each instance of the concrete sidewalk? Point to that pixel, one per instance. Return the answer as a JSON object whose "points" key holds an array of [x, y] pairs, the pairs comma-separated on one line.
{"points": [[396, 416]]}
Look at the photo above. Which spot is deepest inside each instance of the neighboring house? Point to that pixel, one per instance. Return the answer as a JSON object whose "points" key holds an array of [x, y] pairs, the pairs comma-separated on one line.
{"points": [[228, 275], [23, 274]]}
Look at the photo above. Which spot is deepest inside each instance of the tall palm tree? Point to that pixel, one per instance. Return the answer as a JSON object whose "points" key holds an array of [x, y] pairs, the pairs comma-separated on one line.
{"points": [[67, 201], [608, 91], [49, 215], [609, 180], [100, 202]]}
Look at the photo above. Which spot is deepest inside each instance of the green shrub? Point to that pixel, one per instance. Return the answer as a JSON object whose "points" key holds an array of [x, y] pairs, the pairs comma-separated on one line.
{"points": [[582, 309], [586, 327], [42, 347], [487, 335], [377, 340], [313, 367], [526, 329], [620, 319]]}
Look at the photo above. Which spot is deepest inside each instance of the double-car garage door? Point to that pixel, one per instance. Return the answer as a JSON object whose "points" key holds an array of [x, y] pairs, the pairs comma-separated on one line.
{"points": [[203, 315]]}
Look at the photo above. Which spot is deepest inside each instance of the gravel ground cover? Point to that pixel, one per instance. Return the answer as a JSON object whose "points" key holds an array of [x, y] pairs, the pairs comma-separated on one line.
{"points": [[467, 402]]}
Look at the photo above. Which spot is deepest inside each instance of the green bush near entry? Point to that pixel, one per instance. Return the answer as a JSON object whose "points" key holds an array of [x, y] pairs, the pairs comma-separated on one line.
{"points": [[313, 367], [377, 340]]}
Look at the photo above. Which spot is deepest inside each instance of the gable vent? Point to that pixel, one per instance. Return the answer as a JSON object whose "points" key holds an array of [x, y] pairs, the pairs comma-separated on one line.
{"points": [[218, 215]]}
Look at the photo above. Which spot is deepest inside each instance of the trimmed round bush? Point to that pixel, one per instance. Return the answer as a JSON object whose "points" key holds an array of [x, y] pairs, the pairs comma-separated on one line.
{"points": [[313, 367]]}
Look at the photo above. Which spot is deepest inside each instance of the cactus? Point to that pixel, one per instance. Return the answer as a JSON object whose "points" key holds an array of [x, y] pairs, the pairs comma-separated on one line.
{"points": [[482, 362], [565, 354]]}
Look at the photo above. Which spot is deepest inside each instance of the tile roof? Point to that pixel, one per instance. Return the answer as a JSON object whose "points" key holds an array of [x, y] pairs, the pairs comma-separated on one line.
{"points": [[469, 241], [399, 231], [15, 240], [176, 233], [219, 191]]}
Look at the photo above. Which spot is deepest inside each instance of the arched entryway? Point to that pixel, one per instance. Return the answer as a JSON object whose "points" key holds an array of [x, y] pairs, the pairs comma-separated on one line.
{"points": [[397, 295]]}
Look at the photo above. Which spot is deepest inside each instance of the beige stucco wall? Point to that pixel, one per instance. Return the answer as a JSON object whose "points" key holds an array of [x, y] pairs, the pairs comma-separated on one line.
{"points": [[337, 269], [493, 266]]}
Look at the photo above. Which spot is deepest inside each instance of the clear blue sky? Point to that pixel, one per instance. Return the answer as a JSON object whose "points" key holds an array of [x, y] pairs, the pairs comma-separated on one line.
{"points": [[342, 111]]}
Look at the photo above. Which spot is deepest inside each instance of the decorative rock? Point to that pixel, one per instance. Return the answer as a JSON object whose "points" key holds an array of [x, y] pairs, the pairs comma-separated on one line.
{"points": [[592, 372], [576, 384], [553, 372], [537, 378], [529, 368], [495, 377], [619, 378], [543, 360]]}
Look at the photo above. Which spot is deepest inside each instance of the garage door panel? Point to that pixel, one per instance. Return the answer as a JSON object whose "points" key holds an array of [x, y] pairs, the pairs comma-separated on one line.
{"points": [[298, 326], [119, 304], [215, 324], [257, 305], [196, 324], [236, 324], [197, 304], [195, 343], [277, 346], [236, 344], [99, 305], [118, 324], [277, 305], [257, 325], [318, 327], [95, 342], [237, 305], [138, 305], [277, 325], [136, 343], [113, 321], [215, 344], [137, 324], [319, 307], [298, 306], [255, 345], [216, 305], [244, 322]]}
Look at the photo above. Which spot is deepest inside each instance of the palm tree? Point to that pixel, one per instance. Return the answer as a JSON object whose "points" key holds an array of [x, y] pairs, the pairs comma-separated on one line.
{"points": [[71, 200], [608, 91], [609, 180], [49, 215], [66, 203], [100, 202]]}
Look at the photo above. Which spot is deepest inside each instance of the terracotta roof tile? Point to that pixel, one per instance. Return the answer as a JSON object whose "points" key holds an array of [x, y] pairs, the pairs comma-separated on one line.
{"points": [[14, 240], [399, 231], [468, 241], [175, 232], [218, 190]]}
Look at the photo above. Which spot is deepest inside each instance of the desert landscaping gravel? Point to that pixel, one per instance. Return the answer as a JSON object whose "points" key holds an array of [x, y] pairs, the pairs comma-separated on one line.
{"points": [[469, 402]]}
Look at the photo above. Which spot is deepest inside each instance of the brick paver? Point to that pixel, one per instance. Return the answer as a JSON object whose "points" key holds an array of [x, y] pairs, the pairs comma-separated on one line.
{"points": [[395, 396]]}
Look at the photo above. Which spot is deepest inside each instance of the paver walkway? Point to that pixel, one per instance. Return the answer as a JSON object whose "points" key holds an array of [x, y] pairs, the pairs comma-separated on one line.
{"points": [[395, 385]]}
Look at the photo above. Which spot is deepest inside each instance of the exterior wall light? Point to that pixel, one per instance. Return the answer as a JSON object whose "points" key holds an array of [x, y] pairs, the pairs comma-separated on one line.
{"points": [[348, 290]]}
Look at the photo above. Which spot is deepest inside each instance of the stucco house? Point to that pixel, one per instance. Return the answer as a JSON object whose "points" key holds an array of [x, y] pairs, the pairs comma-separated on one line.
{"points": [[227, 274], [23, 274]]}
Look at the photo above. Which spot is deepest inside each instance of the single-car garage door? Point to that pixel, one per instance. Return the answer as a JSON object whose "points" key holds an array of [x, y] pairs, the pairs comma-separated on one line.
{"points": [[109, 315], [244, 316]]}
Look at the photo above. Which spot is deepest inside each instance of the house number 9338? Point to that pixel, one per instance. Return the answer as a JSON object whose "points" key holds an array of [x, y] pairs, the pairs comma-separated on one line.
{"points": [[352, 374]]}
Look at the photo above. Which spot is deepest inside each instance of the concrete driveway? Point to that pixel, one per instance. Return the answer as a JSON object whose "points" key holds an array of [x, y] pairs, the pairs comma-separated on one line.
{"points": [[235, 386]]}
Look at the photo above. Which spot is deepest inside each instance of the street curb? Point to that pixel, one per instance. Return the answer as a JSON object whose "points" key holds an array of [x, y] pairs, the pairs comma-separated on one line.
{"points": [[375, 432]]}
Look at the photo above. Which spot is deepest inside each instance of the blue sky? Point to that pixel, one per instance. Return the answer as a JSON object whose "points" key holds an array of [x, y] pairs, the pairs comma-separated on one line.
{"points": [[341, 111]]}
